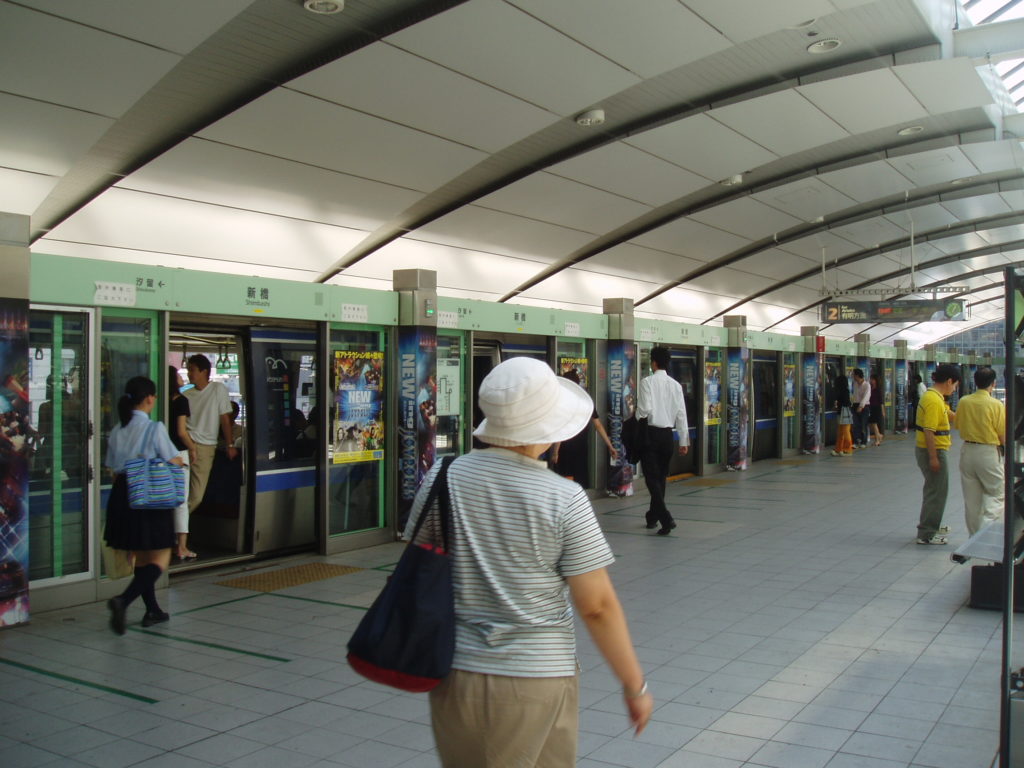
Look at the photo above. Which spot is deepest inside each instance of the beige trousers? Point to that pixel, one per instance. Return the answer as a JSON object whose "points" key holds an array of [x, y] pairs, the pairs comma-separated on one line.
{"points": [[494, 721], [981, 477], [199, 475]]}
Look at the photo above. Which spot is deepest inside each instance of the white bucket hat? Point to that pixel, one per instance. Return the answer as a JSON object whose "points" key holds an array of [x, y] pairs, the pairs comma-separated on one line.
{"points": [[524, 403]]}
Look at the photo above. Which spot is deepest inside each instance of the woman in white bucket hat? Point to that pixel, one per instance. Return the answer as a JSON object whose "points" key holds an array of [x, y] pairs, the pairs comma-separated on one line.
{"points": [[524, 542]]}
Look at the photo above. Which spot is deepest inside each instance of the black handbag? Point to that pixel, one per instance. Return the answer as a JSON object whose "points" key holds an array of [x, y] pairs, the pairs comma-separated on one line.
{"points": [[634, 438], [407, 638]]}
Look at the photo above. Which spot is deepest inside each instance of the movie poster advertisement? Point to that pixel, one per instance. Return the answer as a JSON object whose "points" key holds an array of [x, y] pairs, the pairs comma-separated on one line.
{"points": [[359, 407], [417, 409], [738, 408], [621, 405], [576, 367], [900, 396], [712, 394], [15, 430], [789, 390], [810, 433]]}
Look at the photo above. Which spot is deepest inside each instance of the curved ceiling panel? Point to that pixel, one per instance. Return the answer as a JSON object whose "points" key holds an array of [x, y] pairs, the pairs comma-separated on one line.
{"points": [[732, 165]]}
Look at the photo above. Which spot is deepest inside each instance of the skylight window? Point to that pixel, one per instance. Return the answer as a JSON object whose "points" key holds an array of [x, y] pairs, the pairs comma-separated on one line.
{"points": [[987, 12]]}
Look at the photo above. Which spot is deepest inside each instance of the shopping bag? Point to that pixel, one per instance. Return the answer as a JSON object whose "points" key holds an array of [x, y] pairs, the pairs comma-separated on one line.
{"points": [[407, 638], [153, 483], [845, 416], [117, 563]]}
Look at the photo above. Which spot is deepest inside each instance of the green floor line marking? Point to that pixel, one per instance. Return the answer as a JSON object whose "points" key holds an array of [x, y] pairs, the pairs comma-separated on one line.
{"points": [[387, 567], [79, 681], [206, 644], [214, 605], [322, 602]]}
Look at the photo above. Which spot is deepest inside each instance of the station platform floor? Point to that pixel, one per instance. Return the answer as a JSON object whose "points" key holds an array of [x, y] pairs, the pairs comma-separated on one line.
{"points": [[790, 621]]}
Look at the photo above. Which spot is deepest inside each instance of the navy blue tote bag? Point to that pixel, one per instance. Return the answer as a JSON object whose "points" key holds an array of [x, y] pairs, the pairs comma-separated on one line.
{"points": [[407, 638]]}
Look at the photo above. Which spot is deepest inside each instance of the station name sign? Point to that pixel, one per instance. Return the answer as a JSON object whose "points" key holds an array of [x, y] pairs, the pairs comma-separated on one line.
{"points": [[899, 311]]}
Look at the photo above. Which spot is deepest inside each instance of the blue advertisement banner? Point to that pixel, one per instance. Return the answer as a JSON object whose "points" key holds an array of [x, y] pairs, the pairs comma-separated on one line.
{"points": [[810, 435], [359, 412], [15, 429], [738, 408], [417, 409], [901, 396], [621, 405]]}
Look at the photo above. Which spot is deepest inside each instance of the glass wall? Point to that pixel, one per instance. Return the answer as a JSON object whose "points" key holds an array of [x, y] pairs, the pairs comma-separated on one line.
{"points": [[450, 396], [59, 475], [356, 390]]}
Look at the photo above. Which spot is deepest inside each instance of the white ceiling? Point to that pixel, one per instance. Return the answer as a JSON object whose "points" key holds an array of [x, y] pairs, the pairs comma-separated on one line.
{"points": [[250, 136]]}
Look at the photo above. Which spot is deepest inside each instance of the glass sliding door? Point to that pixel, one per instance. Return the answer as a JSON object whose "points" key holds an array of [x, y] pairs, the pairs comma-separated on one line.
{"points": [[357, 385], [451, 418], [60, 476]]}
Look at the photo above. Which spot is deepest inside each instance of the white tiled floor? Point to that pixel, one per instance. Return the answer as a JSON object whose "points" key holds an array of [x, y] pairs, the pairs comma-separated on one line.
{"points": [[790, 622]]}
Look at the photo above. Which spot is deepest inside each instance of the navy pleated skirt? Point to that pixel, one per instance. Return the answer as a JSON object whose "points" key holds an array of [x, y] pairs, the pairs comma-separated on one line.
{"points": [[136, 529]]}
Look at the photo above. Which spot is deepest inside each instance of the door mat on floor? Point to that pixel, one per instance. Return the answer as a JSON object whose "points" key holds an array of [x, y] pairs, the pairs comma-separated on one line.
{"points": [[709, 482], [280, 578]]}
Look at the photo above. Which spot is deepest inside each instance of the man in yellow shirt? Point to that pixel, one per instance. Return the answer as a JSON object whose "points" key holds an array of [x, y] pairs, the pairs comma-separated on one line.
{"points": [[933, 443], [981, 422]]}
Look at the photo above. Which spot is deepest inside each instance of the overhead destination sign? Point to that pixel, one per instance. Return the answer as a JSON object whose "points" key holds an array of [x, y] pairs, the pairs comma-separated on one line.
{"points": [[898, 311]]}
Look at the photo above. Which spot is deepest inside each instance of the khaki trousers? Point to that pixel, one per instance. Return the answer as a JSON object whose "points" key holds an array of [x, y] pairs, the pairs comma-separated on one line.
{"points": [[494, 721], [199, 475], [981, 477]]}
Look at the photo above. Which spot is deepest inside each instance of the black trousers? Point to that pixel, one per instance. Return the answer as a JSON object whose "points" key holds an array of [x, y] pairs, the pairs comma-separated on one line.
{"points": [[655, 459]]}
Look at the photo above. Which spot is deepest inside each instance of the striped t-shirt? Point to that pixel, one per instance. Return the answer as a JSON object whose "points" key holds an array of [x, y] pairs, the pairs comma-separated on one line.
{"points": [[518, 531]]}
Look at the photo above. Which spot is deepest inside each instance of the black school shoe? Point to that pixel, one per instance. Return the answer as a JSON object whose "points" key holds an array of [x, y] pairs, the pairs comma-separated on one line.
{"points": [[155, 617], [665, 531]]}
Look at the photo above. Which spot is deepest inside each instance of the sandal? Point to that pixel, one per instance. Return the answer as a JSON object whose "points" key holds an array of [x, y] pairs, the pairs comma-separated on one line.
{"points": [[187, 557]]}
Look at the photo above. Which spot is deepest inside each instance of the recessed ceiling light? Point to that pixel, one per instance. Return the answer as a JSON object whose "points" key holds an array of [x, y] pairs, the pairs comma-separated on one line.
{"points": [[824, 45], [590, 117], [802, 24], [324, 7], [732, 181], [910, 130], [962, 181]]}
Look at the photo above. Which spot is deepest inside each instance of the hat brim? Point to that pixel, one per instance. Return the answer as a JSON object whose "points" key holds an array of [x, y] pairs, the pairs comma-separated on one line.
{"points": [[566, 419]]}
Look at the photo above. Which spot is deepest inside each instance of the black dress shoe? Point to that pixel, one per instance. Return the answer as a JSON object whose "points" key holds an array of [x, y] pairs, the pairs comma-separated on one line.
{"points": [[651, 526], [117, 620], [155, 617], [666, 530]]}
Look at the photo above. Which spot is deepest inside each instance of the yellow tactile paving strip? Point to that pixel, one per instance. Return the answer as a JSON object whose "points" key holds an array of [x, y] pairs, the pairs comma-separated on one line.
{"points": [[281, 578]]}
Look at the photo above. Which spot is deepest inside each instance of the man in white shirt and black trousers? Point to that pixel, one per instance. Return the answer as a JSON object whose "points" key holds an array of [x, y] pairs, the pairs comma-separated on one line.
{"points": [[661, 402]]}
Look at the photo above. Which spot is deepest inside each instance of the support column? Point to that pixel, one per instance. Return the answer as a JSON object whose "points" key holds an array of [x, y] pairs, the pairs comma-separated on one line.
{"points": [[622, 387], [811, 388], [15, 418], [900, 374], [930, 351], [417, 380], [737, 394]]}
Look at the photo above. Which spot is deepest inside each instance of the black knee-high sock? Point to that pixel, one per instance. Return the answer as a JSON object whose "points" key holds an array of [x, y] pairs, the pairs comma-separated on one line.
{"points": [[145, 577], [149, 591]]}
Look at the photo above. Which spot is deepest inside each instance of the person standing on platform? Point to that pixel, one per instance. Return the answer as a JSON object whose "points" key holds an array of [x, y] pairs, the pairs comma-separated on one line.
{"points": [[844, 442], [179, 413], [527, 554], [861, 409], [661, 402], [933, 441], [981, 422], [210, 408]]}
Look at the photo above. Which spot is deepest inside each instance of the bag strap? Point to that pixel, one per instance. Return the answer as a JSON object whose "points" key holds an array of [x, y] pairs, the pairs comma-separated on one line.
{"points": [[146, 443], [438, 491]]}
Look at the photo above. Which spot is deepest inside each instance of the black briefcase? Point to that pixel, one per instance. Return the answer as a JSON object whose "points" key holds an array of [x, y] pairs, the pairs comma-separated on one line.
{"points": [[987, 587]]}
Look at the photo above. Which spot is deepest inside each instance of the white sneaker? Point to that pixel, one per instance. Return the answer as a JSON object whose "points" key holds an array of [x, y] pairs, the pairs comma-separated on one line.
{"points": [[836, 453], [933, 540]]}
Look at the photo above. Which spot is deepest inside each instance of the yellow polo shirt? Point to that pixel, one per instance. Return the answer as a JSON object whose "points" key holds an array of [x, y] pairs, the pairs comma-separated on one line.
{"points": [[980, 418], [933, 415]]}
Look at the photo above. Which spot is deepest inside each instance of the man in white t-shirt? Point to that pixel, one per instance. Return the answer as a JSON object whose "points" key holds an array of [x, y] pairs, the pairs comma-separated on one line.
{"points": [[210, 407]]}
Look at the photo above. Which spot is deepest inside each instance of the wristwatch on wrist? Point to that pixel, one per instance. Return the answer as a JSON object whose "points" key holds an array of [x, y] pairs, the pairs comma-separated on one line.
{"points": [[638, 694]]}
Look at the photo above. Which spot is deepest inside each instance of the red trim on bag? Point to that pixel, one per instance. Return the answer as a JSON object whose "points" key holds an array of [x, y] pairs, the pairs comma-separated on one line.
{"points": [[432, 548], [391, 677]]}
